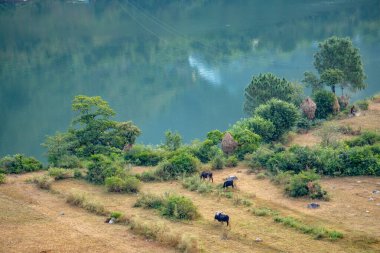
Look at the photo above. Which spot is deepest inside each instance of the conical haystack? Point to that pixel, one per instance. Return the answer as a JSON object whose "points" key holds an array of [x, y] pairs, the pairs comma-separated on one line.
{"points": [[228, 144], [309, 107]]}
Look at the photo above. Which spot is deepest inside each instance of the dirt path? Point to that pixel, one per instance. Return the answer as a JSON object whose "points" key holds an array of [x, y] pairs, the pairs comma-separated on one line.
{"points": [[32, 220]]}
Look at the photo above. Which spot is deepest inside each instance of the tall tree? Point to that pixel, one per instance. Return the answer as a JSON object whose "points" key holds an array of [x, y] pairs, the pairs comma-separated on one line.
{"points": [[340, 54], [267, 86], [333, 77]]}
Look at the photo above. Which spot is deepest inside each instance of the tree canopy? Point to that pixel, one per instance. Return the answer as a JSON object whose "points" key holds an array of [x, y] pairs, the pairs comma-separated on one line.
{"points": [[267, 86], [338, 60]]}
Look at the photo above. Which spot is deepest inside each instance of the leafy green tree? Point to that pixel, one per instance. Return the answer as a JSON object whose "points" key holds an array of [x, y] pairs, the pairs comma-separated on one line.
{"points": [[172, 140], [340, 54], [247, 141], [215, 136], [333, 77], [312, 81], [282, 114], [325, 103], [267, 86]]}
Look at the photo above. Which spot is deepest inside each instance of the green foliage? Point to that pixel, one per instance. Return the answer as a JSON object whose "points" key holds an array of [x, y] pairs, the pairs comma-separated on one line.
{"points": [[92, 132], [325, 102], [362, 104], [231, 161], [260, 158], [366, 138], [332, 77], [268, 86], [172, 140], [147, 200], [171, 205], [129, 184], [207, 150], [2, 178], [312, 81], [194, 183], [305, 184], [215, 136], [217, 162], [60, 173], [247, 142], [179, 207], [178, 165], [340, 54], [144, 155], [264, 128], [102, 167], [282, 177], [283, 115], [19, 164]]}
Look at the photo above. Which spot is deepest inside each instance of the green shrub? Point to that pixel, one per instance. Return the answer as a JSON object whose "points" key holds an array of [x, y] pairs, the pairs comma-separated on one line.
{"points": [[2, 178], [144, 155], [217, 163], [231, 161], [261, 175], [68, 161], [262, 127], [247, 141], [147, 200], [260, 158], [173, 140], [207, 150], [282, 177], [366, 138], [19, 164], [283, 115], [126, 184], [325, 101], [362, 104], [148, 176], [359, 161], [102, 167], [180, 207], [215, 136], [305, 184], [178, 165], [59, 173], [194, 183]]}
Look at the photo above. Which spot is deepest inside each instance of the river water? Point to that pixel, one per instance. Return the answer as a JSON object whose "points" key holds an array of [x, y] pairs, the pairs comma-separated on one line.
{"points": [[165, 65]]}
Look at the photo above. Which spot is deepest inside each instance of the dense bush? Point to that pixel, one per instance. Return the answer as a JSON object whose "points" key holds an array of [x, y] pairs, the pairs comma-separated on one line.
{"points": [[264, 128], [247, 142], [217, 162], [144, 155], [231, 161], [305, 184], [325, 101], [179, 207], [60, 173], [207, 151], [102, 167], [126, 184], [148, 176], [19, 164], [68, 161], [148, 200], [366, 138], [194, 183], [173, 140], [215, 136], [260, 158], [283, 115], [178, 165]]}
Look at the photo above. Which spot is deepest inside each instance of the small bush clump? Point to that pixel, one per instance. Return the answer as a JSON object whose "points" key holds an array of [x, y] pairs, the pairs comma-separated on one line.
{"points": [[231, 161], [77, 174], [305, 184], [179, 207], [60, 173], [194, 183], [178, 165], [128, 184], [144, 155], [19, 164], [217, 163], [43, 182], [148, 200]]}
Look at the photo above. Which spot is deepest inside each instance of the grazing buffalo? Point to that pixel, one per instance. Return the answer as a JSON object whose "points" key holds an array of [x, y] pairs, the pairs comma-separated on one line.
{"points": [[206, 174], [228, 183], [221, 217]]}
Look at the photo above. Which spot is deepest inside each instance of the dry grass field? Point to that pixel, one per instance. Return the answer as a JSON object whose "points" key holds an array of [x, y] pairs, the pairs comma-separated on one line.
{"points": [[35, 220]]}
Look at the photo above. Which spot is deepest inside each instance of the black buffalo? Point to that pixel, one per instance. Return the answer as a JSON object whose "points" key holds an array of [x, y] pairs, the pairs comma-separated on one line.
{"points": [[206, 174], [228, 183], [221, 217]]}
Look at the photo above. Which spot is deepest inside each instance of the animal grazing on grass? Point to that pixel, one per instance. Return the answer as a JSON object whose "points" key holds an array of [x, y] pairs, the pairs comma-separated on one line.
{"points": [[228, 183], [221, 217], [207, 174]]}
